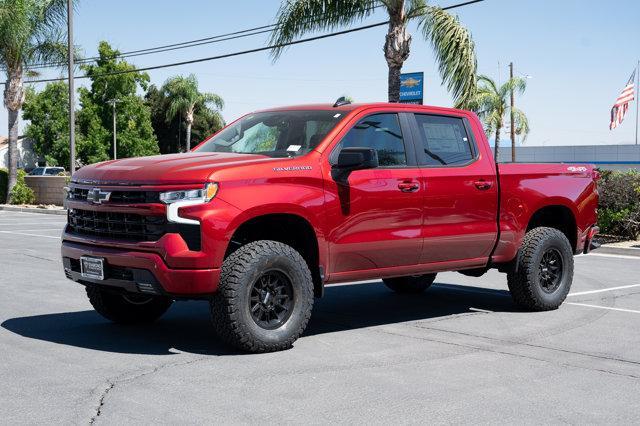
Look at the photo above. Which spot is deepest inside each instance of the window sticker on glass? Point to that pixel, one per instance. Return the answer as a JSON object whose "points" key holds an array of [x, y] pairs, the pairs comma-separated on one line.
{"points": [[294, 148], [337, 115]]}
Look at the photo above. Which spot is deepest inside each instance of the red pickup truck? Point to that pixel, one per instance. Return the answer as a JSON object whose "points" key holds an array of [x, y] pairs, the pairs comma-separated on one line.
{"points": [[261, 216]]}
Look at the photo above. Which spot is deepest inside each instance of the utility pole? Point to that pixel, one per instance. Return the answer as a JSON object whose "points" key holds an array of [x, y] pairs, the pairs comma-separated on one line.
{"points": [[72, 102], [513, 127], [113, 102]]}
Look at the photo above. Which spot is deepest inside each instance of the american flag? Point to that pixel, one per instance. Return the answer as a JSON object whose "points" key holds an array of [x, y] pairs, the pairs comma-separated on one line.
{"points": [[621, 106]]}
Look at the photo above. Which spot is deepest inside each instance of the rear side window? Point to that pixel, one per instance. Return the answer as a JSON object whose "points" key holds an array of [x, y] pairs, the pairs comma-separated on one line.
{"points": [[381, 132], [444, 139]]}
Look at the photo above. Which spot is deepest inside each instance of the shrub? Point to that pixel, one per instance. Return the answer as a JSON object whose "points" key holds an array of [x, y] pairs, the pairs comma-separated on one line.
{"points": [[21, 193], [619, 206], [4, 181]]}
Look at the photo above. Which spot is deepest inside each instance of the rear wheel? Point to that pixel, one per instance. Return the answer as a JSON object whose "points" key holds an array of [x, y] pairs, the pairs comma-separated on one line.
{"points": [[129, 308], [411, 284], [543, 276], [264, 299]]}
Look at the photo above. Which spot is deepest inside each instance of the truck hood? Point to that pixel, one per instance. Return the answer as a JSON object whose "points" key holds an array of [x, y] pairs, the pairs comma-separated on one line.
{"points": [[171, 169]]}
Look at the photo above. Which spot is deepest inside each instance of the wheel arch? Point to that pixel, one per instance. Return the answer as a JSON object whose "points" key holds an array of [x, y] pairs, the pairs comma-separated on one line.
{"points": [[556, 215], [285, 226]]}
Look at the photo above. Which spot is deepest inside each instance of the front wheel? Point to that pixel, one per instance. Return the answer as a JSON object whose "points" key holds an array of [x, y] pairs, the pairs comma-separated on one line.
{"points": [[129, 308], [264, 298], [411, 284], [544, 271]]}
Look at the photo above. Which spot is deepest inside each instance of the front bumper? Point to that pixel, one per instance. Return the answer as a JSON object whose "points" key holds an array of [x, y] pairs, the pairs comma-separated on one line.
{"points": [[142, 272]]}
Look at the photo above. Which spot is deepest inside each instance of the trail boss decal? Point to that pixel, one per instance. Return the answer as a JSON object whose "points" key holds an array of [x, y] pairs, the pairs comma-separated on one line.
{"points": [[292, 168]]}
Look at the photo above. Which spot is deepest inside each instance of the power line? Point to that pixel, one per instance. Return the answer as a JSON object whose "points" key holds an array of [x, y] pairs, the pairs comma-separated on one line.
{"points": [[239, 53], [183, 45], [151, 51]]}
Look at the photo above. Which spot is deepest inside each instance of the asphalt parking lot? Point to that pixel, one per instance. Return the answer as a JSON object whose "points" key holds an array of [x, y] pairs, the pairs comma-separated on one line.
{"points": [[460, 353]]}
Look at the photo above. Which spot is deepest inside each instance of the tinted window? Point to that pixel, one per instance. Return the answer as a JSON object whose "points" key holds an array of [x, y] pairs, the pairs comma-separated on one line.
{"points": [[382, 133], [444, 139]]}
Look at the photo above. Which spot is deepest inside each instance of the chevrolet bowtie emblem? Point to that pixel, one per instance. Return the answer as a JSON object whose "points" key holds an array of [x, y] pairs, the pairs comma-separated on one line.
{"points": [[97, 196]]}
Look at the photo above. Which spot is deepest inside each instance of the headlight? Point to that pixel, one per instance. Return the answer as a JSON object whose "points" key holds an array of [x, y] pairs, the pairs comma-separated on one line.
{"points": [[187, 198], [205, 194]]}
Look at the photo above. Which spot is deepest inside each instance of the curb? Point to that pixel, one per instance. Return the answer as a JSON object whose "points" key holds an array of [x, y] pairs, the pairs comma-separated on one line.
{"points": [[32, 210], [619, 250]]}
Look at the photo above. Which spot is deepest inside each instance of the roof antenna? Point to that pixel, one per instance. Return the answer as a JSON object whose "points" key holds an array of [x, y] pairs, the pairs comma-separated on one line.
{"points": [[342, 100]]}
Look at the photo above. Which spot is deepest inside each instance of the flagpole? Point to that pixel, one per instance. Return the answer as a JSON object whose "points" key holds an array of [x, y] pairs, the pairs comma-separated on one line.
{"points": [[637, 97]]}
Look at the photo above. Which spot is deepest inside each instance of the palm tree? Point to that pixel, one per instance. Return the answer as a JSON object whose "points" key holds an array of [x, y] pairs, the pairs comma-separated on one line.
{"points": [[30, 32], [184, 98], [452, 43], [492, 103]]}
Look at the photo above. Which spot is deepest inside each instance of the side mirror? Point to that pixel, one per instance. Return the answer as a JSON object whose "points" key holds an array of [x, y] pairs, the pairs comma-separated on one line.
{"points": [[356, 158]]}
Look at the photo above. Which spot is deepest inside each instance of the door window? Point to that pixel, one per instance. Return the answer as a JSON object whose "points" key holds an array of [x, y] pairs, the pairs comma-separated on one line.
{"points": [[444, 139], [381, 132]]}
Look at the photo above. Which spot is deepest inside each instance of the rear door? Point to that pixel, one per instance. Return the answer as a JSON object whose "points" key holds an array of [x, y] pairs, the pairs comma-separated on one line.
{"points": [[460, 191], [374, 216]]}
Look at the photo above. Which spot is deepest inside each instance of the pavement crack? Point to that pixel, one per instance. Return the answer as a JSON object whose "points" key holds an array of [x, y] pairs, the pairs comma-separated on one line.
{"points": [[101, 402], [128, 378]]}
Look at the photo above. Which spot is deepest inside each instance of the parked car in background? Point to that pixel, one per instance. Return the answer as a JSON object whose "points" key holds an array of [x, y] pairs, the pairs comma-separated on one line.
{"points": [[46, 171]]}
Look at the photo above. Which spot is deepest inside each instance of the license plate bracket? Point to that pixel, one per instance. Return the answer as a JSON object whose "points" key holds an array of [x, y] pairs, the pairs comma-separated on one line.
{"points": [[92, 268]]}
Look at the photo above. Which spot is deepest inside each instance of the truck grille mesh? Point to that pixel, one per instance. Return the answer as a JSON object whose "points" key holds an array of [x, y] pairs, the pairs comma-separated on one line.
{"points": [[124, 197], [117, 226]]}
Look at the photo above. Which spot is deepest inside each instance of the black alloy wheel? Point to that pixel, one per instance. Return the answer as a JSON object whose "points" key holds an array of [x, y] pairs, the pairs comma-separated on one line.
{"points": [[271, 299], [550, 270]]}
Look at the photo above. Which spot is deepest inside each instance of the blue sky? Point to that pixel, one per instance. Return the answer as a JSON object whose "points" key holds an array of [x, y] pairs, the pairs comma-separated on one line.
{"points": [[580, 54]]}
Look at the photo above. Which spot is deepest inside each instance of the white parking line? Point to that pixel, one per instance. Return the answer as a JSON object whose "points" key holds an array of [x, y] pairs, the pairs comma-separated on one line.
{"points": [[604, 307], [29, 235], [37, 229], [619, 256], [33, 223], [582, 293]]}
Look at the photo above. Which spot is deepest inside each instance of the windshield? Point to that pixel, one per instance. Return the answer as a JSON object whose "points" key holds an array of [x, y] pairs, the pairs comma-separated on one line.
{"points": [[276, 133]]}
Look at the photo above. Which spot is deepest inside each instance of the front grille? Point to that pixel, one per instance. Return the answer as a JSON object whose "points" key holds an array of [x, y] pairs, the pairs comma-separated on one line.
{"points": [[123, 197], [118, 226]]}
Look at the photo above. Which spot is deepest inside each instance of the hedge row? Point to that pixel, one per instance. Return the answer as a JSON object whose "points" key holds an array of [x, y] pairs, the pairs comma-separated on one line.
{"points": [[619, 207], [20, 194]]}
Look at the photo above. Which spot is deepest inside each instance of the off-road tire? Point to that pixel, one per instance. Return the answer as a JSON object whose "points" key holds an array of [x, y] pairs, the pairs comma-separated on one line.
{"points": [[525, 282], [411, 284], [127, 309], [230, 306]]}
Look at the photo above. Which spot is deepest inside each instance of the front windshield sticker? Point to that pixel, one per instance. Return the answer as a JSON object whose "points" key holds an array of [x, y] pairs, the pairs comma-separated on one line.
{"points": [[294, 148], [337, 115]]}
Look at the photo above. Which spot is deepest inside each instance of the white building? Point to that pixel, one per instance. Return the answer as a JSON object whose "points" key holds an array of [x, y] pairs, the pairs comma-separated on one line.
{"points": [[611, 157], [27, 158]]}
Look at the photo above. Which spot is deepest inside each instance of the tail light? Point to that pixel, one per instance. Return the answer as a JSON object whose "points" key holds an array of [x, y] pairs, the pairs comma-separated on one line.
{"points": [[595, 175]]}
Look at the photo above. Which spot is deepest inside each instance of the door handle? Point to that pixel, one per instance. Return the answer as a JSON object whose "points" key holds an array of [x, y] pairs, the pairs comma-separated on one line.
{"points": [[482, 184], [408, 186]]}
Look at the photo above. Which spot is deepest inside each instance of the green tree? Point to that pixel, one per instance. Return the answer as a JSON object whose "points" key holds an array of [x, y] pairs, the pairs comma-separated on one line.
{"points": [[453, 47], [48, 113], [184, 97], [135, 136], [30, 32], [492, 103], [171, 134]]}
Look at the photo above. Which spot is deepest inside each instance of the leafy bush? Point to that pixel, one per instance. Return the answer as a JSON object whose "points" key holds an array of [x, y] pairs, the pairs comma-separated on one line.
{"points": [[619, 207], [4, 181], [21, 193]]}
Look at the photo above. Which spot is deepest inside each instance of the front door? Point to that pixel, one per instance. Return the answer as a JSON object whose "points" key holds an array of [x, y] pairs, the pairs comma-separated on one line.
{"points": [[374, 217]]}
